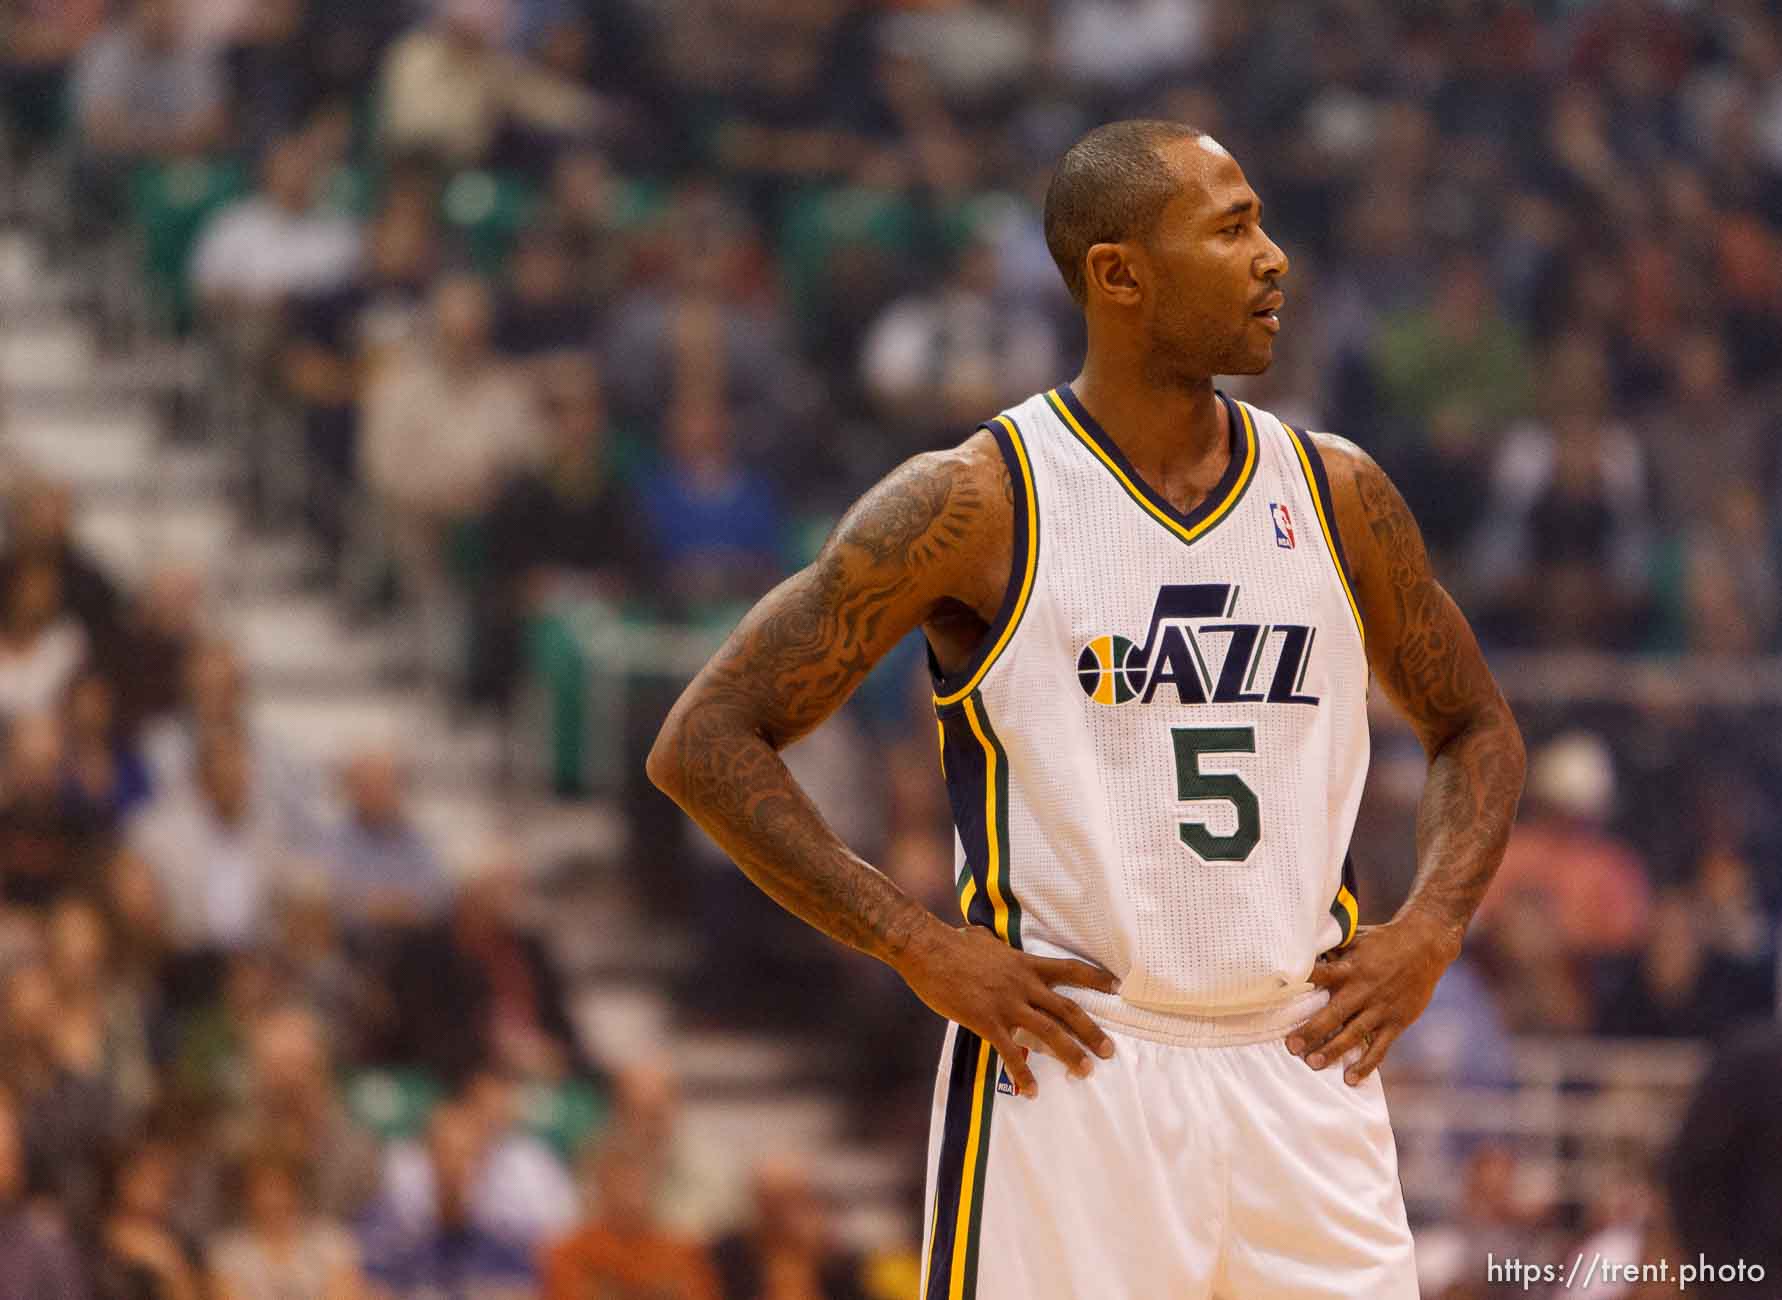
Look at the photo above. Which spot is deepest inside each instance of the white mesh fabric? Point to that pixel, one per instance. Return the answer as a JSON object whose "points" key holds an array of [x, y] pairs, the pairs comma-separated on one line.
{"points": [[1094, 856]]}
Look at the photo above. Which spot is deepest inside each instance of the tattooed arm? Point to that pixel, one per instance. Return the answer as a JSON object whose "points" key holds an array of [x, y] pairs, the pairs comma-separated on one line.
{"points": [[1424, 653], [929, 545]]}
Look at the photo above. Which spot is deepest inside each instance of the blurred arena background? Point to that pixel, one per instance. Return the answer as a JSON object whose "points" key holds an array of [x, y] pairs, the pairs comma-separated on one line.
{"points": [[398, 400]]}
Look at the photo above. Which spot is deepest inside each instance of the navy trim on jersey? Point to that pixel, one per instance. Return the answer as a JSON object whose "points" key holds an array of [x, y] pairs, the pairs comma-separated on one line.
{"points": [[977, 779], [1020, 580], [1221, 495], [1321, 483]]}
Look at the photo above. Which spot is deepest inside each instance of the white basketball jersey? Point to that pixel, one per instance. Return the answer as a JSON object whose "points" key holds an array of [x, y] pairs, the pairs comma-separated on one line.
{"points": [[1156, 756]]}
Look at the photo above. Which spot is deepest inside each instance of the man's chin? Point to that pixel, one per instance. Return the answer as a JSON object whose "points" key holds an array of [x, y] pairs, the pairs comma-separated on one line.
{"points": [[1251, 363]]}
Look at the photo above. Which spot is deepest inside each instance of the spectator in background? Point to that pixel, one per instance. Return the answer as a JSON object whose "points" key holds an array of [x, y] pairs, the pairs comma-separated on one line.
{"points": [[519, 1191], [270, 83], [937, 360], [43, 530], [1456, 364], [102, 1023], [544, 308], [625, 1249], [42, 647], [1561, 557], [144, 92], [343, 338], [1723, 1175], [342, 982], [47, 845], [449, 1252], [104, 776], [447, 420], [39, 43], [448, 88], [707, 324], [217, 848], [569, 529], [1496, 1218], [147, 658], [1695, 459], [282, 1247], [136, 926], [279, 243], [37, 1257], [1679, 987], [715, 526], [64, 1106], [141, 1254], [215, 698], [442, 427], [586, 204], [1563, 853], [787, 1250], [292, 1104], [1539, 983], [1731, 578], [385, 873], [693, 1189], [476, 990]]}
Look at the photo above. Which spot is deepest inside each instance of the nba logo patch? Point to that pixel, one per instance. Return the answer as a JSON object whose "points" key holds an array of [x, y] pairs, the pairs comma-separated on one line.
{"points": [[1283, 525], [1003, 1083]]}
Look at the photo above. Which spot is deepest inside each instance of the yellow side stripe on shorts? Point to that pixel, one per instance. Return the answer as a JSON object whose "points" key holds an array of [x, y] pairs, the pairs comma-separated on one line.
{"points": [[962, 1229]]}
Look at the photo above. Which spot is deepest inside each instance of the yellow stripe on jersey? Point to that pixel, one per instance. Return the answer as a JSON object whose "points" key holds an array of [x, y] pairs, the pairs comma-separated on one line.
{"points": [[1305, 466], [1346, 901], [1186, 533], [993, 868], [967, 892], [1032, 563], [962, 1230]]}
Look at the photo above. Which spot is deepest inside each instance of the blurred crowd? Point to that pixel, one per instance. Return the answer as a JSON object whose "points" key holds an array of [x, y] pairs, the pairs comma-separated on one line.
{"points": [[259, 1037], [605, 309]]}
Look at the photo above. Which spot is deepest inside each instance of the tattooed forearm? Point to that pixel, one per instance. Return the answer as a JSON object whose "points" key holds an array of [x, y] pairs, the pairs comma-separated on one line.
{"points": [[794, 659], [1429, 662], [1464, 818]]}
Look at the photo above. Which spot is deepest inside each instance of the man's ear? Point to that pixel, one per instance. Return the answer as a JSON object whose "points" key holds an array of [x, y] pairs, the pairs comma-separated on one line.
{"points": [[1115, 271]]}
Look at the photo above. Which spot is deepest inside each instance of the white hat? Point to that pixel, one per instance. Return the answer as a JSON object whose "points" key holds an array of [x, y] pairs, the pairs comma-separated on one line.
{"points": [[1575, 774]]}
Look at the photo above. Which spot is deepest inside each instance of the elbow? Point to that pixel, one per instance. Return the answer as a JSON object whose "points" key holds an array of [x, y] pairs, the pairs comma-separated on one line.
{"points": [[1516, 749], [1511, 758], [663, 766]]}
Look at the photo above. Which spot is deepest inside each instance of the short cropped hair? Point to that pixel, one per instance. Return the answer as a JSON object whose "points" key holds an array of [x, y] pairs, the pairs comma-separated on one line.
{"points": [[1111, 185]]}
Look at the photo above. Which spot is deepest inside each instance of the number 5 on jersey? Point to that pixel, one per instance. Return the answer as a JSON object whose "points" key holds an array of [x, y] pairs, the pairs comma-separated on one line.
{"points": [[1192, 783]]}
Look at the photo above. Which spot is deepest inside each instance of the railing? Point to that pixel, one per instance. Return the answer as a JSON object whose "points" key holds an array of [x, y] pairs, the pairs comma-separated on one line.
{"points": [[1580, 1115]]}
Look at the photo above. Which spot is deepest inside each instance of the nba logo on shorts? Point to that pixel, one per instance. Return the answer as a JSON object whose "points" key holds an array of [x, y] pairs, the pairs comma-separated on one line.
{"points": [[1283, 525]]}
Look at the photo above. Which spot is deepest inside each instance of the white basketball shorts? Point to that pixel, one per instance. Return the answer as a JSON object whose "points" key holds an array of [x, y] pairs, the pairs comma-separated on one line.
{"points": [[1203, 1162]]}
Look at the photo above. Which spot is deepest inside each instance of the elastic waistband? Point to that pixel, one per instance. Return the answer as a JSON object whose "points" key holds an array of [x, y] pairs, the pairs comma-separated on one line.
{"points": [[1266, 1024]]}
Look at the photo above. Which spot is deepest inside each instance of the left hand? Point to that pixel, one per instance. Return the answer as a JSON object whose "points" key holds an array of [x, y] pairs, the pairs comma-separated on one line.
{"points": [[1378, 985]]}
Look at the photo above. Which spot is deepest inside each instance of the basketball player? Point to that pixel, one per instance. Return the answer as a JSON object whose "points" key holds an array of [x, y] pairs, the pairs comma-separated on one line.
{"points": [[1152, 614]]}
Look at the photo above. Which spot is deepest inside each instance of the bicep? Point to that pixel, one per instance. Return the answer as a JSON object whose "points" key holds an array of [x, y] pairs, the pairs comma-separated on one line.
{"points": [[903, 548], [1419, 644]]}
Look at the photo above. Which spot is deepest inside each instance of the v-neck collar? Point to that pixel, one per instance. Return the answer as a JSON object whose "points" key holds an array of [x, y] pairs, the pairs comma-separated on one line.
{"points": [[1239, 470]]}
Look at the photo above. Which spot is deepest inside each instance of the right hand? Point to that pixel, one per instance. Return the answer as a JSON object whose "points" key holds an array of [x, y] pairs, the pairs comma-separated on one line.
{"points": [[969, 975]]}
